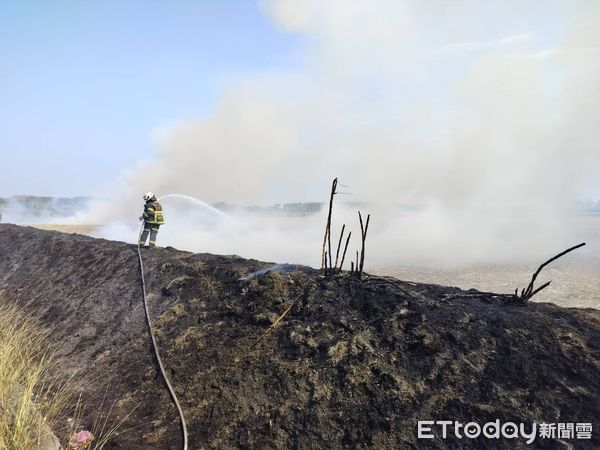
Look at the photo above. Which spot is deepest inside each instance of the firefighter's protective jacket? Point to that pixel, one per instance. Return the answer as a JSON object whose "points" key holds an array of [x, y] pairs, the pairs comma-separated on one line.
{"points": [[153, 213]]}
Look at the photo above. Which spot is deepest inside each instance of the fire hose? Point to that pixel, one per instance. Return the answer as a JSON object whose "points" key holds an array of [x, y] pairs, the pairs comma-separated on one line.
{"points": [[156, 352]]}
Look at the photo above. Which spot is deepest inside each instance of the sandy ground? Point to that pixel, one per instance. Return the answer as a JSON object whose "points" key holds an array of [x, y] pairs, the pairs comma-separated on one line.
{"points": [[79, 229]]}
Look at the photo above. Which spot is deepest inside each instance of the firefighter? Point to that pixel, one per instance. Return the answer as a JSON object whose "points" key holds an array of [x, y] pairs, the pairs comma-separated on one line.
{"points": [[153, 218]]}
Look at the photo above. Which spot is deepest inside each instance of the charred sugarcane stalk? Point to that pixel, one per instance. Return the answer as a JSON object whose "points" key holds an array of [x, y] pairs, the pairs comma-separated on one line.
{"points": [[363, 231], [529, 292], [327, 237]]}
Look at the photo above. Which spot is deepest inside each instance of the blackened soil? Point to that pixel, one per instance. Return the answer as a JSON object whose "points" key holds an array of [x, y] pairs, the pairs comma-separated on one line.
{"points": [[352, 365]]}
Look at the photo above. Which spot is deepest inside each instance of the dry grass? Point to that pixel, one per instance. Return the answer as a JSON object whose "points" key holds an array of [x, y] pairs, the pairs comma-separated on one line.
{"points": [[36, 400], [32, 399]]}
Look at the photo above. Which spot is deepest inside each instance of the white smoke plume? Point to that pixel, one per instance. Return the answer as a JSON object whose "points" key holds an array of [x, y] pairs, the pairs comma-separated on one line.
{"points": [[484, 114]]}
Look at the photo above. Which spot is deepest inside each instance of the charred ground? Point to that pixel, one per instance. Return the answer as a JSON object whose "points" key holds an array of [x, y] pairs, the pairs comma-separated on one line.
{"points": [[353, 364]]}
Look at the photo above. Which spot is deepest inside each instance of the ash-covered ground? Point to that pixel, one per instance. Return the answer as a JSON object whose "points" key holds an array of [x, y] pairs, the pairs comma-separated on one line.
{"points": [[354, 364]]}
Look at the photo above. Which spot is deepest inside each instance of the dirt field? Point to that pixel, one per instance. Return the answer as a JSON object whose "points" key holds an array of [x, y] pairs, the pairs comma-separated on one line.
{"points": [[79, 229]]}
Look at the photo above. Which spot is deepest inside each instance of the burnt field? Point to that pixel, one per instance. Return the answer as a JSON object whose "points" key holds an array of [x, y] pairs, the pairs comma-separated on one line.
{"points": [[354, 364]]}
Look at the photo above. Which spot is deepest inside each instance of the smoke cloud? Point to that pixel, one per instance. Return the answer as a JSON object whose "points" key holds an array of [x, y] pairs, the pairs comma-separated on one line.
{"points": [[484, 116]]}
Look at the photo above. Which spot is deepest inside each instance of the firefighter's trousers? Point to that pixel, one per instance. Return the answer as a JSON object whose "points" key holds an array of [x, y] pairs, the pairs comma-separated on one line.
{"points": [[152, 230]]}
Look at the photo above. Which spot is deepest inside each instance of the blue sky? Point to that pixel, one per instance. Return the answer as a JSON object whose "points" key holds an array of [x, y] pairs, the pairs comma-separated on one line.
{"points": [[84, 84]]}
